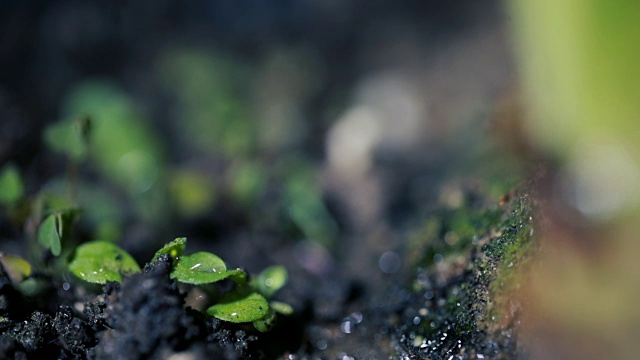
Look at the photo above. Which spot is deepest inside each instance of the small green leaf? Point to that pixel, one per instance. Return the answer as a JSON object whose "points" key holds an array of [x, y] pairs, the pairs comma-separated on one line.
{"points": [[240, 307], [16, 268], [102, 261], [11, 187], [174, 249], [202, 268], [271, 280], [63, 138], [266, 323], [48, 235], [282, 308]]}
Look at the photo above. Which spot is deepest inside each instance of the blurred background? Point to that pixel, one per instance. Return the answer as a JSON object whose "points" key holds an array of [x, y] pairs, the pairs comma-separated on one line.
{"points": [[329, 124]]}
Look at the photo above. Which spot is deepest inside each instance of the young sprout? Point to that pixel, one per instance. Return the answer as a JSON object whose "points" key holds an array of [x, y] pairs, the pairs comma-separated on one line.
{"points": [[101, 261], [239, 307], [203, 268], [50, 233], [11, 187]]}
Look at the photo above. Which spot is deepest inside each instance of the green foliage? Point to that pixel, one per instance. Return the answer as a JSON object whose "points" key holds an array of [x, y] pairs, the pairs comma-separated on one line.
{"points": [[303, 201], [101, 261], [241, 306], [212, 91], [123, 147], [174, 249], [248, 179], [52, 229], [243, 303], [192, 192], [50, 233], [266, 322], [270, 280], [202, 268], [16, 268], [282, 308], [11, 187], [70, 138]]}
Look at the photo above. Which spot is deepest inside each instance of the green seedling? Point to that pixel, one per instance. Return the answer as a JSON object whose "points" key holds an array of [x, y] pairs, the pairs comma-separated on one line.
{"points": [[11, 187], [101, 261], [174, 249], [241, 306], [50, 233], [16, 268], [51, 230], [270, 280], [203, 268]]}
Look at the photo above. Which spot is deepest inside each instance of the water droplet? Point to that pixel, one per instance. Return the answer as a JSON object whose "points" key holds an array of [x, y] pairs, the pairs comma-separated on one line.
{"points": [[416, 320], [269, 282], [66, 286], [437, 258], [321, 344], [197, 266], [389, 262], [357, 317], [346, 326], [234, 314], [480, 356]]}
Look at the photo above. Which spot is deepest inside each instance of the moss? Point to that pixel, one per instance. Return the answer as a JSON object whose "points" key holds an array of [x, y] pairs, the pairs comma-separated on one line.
{"points": [[468, 287]]}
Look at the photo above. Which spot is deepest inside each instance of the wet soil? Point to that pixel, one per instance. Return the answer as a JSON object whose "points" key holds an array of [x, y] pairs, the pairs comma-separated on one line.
{"points": [[440, 310]]}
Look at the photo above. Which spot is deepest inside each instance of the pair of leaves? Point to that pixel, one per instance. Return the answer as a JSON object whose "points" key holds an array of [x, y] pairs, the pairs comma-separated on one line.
{"points": [[51, 229], [50, 233], [100, 261], [245, 304], [198, 268]]}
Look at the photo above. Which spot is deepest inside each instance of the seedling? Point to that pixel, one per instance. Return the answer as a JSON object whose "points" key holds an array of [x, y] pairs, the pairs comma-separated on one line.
{"points": [[101, 261], [11, 185]]}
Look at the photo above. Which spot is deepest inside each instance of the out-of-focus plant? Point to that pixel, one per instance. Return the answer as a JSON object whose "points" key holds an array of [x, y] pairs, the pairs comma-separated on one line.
{"points": [[103, 126], [581, 85], [212, 93], [11, 186]]}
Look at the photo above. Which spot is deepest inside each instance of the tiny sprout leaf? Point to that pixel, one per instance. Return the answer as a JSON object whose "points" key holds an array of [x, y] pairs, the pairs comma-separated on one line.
{"points": [[271, 280], [266, 323], [201, 268], [282, 308], [102, 261], [11, 187], [174, 249], [49, 235], [16, 268], [240, 307]]}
